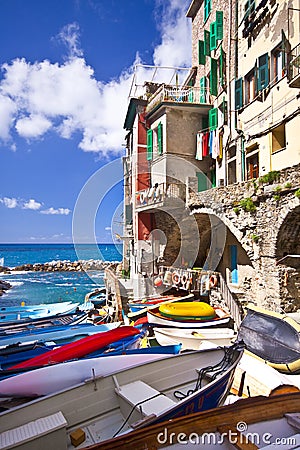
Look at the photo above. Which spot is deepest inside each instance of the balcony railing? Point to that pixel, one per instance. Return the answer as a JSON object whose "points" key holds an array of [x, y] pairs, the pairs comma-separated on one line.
{"points": [[159, 194], [177, 94], [294, 67]]}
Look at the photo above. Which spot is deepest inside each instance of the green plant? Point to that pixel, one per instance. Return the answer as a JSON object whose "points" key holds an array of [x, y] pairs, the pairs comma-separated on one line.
{"points": [[270, 177], [297, 193], [277, 189], [276, 197], [288, 185], [247, 204], [236, 210], [255, 237]]}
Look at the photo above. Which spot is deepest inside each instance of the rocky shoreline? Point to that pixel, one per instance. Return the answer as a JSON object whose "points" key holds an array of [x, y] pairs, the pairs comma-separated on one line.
{"points": [[56, 266]]}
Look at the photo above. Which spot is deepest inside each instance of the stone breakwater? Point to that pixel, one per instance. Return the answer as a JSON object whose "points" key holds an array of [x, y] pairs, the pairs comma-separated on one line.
{"points": [[4, 286], [61, 266]]}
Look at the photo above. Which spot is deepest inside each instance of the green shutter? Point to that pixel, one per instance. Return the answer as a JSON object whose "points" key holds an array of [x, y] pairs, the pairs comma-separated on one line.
{"points": [[219, 25], [238, 93], [149, 144], [201, 53], [213, 77], [202, 181], [207, 9], [191, 96], [221, 67], [206, 43], [263, 72], [159, 138], [213, 118], [202, 98], [213, 36]]}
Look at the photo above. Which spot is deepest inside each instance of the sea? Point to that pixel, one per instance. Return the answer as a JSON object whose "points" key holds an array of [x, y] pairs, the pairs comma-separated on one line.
{"points": [[51, 287]]}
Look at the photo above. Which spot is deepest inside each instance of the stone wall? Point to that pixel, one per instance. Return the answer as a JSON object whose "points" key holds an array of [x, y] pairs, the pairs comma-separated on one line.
{"points": [[63, 266], [266, 231]]}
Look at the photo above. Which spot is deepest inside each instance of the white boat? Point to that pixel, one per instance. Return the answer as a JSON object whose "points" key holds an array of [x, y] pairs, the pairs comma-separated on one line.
{"points": [[191, 339], [53, 378], [103, 407], [8, 313]]}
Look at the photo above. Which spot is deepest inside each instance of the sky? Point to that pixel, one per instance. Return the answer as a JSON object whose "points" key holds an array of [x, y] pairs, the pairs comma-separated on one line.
{"points": [[66, 69]]}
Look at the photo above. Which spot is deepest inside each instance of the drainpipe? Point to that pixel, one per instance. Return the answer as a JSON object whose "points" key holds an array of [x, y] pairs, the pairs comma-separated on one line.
{"points": [[243, 159]]}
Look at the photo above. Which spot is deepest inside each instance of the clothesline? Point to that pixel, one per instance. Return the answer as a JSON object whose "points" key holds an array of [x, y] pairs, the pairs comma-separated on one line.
{"points": [[209, 143]]}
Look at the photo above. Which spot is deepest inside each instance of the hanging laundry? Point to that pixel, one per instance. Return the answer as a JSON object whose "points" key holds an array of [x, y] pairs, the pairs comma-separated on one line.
{"points": [[205, 138], [215, 149], [220, 139], [211, 142], [199, 146]]}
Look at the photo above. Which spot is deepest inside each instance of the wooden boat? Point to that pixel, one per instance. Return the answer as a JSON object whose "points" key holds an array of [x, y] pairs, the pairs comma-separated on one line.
{"points": [[54, 378], [156, 318], [8, 313], [101, 408], [139, 309], [78, 348], [58, 334], [17, 326], [249, 424], [191, 339], [273, 337]]}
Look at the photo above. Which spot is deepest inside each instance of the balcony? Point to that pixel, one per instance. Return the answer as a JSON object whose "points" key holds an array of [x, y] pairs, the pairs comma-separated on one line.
{"points": [[159, 195], [188, 95], [294, 67]]}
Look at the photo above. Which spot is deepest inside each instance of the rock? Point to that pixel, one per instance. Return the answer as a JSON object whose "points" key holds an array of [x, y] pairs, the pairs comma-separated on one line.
{"points": [[4, 286]]}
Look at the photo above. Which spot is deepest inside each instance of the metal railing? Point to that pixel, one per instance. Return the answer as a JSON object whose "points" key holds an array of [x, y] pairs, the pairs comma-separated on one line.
{"points": [[294, 65], [230, 302], [159, 193], [178, 94]]}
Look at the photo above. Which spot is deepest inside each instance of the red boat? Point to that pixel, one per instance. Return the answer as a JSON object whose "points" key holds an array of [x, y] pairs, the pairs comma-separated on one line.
{"points": [[78, 348]]}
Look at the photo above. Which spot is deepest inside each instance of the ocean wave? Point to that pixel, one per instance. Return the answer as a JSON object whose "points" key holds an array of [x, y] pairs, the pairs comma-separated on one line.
{"points": [[16, 283]]}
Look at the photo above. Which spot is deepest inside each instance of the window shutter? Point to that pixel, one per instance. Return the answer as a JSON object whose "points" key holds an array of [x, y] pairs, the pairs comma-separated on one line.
{"points": [[204, 123], [219, 25], [203, 90], [213, 77], [201, 53], [263, 72], [206, 43], [221, 67], [149, 144], [207, 9], [238, 93], [159, 138], [213, 36], [213, 118]]}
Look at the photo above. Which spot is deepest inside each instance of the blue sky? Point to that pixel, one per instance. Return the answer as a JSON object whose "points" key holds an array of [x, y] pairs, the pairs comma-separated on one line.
{"points": [[66, 71]]}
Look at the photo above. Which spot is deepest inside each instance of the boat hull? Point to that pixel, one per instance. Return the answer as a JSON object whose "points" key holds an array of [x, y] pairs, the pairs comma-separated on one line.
{"points": [[156, 319]]}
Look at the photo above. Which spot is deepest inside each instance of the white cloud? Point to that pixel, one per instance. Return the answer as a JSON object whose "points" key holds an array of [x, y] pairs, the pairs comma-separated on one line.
{"points": [[33, 126], [58, 211], [32, 204], [39, 97], [9, 202]]}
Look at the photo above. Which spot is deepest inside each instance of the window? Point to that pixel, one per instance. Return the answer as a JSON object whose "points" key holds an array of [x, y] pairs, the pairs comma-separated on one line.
{"points": [[277, 63], [213, 36], [206, 43], [249, 8], [157, 141], [252, 166], [231, 172], [278, 138], [250, 86], [219, 25], [207, 9]]}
